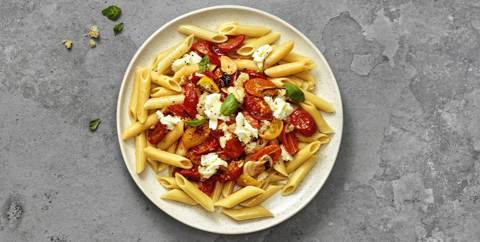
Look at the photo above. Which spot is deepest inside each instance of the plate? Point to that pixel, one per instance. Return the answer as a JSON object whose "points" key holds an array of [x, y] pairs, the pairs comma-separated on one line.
{"points": [[282, 207]]}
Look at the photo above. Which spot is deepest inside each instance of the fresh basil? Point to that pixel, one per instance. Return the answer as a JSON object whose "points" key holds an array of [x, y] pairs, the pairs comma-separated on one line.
{"points": [[112, 12], [93, 125], [118, 28], [203, 64], [196, 122], [294, 93], [230, 105]]}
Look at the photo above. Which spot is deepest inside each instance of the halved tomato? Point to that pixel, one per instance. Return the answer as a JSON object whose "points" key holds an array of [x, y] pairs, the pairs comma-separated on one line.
{"points": [[195, 135], [191, 99], [233, 148], [257, 108], [273, 151], [252, 121], [232, 44], [303, 122], [254, 74], [233, 172], [155, 135], [289, 141], [256, 86], [191, 174], [202, 47], [208, 185], [209, 145]]}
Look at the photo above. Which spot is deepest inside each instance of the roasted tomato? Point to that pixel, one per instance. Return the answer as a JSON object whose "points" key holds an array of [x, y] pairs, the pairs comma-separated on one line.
{"points": [[202, 47], [213, 58], [273, 130], [232, 44], [191, 99], [289, 141], [233, 172], [216, 50], [233, 148], [208, 185], [254, 74], [155, 135], [257, 107], [303, 122], [209, 145], [191, 174], [256, 86], [251, 120], [195, 135], [178, 110], [273, 151]]}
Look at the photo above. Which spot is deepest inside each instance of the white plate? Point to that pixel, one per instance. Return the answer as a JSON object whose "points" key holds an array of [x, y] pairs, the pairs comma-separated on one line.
{"points": [[282, 207]]}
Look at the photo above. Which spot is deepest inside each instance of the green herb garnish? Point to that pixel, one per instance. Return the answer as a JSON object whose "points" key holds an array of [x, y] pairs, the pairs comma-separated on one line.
{"points": [[118, 28], [93, 125], [196, 122], [112, 12], [230, 105], [294, 93], [203, 64]]}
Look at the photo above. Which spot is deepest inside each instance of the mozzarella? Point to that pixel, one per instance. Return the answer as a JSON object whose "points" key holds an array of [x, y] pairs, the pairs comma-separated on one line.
{"points": [[209, 165], [169, 120], [285, 156], [244, 131], [191, 58], [211, 108], [238, 92], [260, 54], [226, 135], [281, 108]]}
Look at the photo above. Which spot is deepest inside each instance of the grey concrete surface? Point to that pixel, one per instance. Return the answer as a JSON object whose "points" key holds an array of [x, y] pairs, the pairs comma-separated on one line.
{"points": [[408, 169]]}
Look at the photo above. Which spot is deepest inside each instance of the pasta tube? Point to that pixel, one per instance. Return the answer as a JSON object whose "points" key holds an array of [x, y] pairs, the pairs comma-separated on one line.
{"points": [[228, 188], [294, 57], [161, 91], [280, 167], [278, 54], [137, 127], [297, 177], [168, 158], [194, 193], [251, 45], [243, 64], [323, 138], [303, 155], [257, 200], [167, 182], [171, 137], [178, 196], [184, 71], [160, 56], [134, 97], [162, 102], [234, 28], [165, 63], [239, 196], [321, 123], [140, 157], [319, 102], [247, 213], [143, 94], [287, 69], [165, 81], [217, 191], [202, 33]]}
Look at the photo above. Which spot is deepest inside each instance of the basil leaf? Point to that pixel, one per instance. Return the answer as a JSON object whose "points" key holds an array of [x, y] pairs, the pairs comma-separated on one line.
{"points": [[118, 28], [203, 64], [93, 125], [294, 93], [230, 105], [112, 12], [196, 122]]}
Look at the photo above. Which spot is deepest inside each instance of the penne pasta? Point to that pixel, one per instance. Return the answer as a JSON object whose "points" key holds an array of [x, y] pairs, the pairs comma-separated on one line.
{"points": [[164, 64], [168, 158], [280, 167], [302, 155], [319, 121], [194, 193], [167, 182], [165, 81], [228, 188], [161, 167], [184, 71], [162, 102], [239, 196], [246, 65], [297, 177], [137, 127], [153, 164], [276, 178], [140, 157], [217, 191], [202, 33], [143, 94], [134, 97], [181, 150], [247, 213], [171, 138], [251, 45], [257, 200], [160, 56], [178, 196], [320, 103], [294, 57], [172, 148], [287, 69], [278, 54], [161, 92], [323, 138], [234, 28]]}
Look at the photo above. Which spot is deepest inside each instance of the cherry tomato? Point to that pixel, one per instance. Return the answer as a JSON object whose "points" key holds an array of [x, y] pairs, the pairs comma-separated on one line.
{"points": [[289, 141], [251, 120], [178, 110], [233, 148], [194, 79], [216, 50], [155, 135], [195, 135], [272, 150], [302, 122], [208, 185], [233, 172], [232, 44], [257, 107], [191, 99], [202, 47], [256, 86], [209, 145], [254, 74], [191, 174], [213, 58]]}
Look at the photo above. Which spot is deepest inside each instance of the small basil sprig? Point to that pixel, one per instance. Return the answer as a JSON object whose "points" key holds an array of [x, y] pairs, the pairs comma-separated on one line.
{"points": [[230, 105], [203, 64], [196, 122], [112, 12], [93, 125], [294, 93], [118, 28]]}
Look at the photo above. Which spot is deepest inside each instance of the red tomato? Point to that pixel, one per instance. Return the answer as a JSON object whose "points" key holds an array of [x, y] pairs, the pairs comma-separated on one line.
{"points": [[303, 122], [213, 58], [232, 44], [289, 141], [178, 110], [251, 120], [202, 47], [233, 148], [233, 172], [254, 74], [211, 144], [194, 79], [208, 185], [216, 50], [272, 150], [155, 135], [191, 99], [191, 174], [257, 107], [256, 86]]}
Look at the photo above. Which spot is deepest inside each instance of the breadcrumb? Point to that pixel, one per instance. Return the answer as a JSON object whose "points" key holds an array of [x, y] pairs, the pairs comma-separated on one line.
{"points": [[68, 43], [93, 32], [92, 43]]}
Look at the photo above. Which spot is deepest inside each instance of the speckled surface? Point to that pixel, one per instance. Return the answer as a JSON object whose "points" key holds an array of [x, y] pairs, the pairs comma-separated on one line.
{"points": [[408, 169]]}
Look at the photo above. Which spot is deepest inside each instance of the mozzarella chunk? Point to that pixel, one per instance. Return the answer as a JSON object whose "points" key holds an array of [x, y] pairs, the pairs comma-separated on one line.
{"points": [[209, 165], [260, 54], [169, 120], [285, 156], [191, 58], [211, 108], [281, 108], [244, 131]]}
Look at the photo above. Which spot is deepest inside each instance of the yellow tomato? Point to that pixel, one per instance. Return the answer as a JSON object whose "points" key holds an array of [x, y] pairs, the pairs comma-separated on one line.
{"points": [[273, 130], [208, 84], [195, 135]]}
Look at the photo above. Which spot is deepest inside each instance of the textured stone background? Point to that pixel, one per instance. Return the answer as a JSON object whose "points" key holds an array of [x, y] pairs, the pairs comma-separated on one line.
{"points": [[408, 168]]}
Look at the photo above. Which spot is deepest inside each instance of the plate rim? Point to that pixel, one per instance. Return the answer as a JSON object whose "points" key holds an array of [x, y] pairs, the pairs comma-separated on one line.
{"points": [[265, 14]]}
